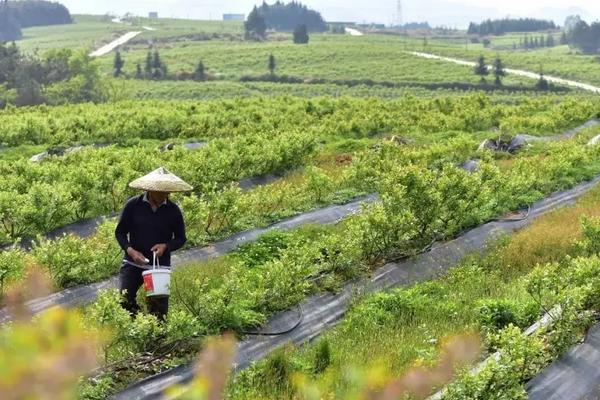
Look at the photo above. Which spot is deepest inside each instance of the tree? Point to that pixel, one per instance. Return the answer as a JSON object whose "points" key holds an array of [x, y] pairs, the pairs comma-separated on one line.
{"points": [[526, 42], [138, 71], [550, 40], [301, 35], [499, 71], [272, 64], [156, 61], [255, 26], [542, 83], [199, 73], [118, 64], [10, 29], [286, 17], [563, 39], [148, 65], [501, 26], [481, 68]]}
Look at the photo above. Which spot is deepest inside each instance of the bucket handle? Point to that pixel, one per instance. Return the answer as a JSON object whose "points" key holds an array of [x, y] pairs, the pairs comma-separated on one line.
{"points": [[155, 262]]}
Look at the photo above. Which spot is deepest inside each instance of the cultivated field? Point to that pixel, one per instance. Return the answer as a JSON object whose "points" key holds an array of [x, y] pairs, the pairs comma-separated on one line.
{"points": [[353, 176]]}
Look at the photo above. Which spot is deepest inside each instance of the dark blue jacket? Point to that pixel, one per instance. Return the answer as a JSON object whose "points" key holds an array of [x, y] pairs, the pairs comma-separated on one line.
{"points": [[142, 228]]}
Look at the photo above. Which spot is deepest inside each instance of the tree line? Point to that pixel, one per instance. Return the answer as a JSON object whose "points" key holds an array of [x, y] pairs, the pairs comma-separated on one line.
{"points": [[15, 15], [530, 42], [154, 68], [581, 35], [282, 17], [501, 26], [60, 76]]}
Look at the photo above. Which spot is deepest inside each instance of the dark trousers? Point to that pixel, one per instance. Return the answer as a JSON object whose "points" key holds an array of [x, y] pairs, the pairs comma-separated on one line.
{"points": [[130, 281]]}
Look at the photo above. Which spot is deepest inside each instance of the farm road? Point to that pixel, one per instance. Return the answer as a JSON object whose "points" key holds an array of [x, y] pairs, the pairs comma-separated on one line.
{"points": [[354, 32], [107, 48], [527, 74]]}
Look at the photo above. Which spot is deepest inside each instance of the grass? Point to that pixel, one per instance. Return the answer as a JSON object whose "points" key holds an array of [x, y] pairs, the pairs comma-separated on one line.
{"points": [[326, 56], [86, 32], [560, 61], [403, 328], [92, 31]]}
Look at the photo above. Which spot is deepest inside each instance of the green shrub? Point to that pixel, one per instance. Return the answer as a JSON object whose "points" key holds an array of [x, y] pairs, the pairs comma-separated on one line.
{"points": [[496, 314], [590, 244], [268, 247], [322, 358]]}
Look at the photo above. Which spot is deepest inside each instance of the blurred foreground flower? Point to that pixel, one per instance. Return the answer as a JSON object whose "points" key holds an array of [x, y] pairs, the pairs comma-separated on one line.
{"points": [[215, 363], [43, 357], [418, 382], [212, 372]]}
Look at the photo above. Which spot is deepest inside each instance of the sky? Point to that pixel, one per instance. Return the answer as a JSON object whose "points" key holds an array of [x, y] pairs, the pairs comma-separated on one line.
{"points": [[453, 13]]}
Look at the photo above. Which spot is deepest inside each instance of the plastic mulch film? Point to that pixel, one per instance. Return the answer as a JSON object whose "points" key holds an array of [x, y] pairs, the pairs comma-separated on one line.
{"points": [[574, 376], [321, 312], [85, 294]]}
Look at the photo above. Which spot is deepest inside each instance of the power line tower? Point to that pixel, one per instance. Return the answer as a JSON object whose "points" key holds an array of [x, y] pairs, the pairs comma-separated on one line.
{"points": [[398, 14]]}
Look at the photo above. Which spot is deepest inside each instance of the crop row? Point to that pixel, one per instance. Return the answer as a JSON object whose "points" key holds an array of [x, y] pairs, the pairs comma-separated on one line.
{"points": [[127, 121], [498, 294], [248, 137], [420, 202], [37, 197], [213, 214]]}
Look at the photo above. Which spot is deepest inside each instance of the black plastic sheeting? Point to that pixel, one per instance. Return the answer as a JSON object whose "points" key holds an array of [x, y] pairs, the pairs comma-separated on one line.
{"points": [[574, 376], [323, 311], [85, 294]]}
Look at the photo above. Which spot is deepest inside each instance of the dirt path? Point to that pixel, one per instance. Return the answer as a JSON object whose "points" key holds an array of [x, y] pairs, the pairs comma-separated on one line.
{"points": [[107, 48], [354, 32], [527, 74]]}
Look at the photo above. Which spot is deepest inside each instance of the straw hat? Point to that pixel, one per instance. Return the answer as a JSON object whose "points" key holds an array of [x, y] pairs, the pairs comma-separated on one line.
{"points": [[161, 180]]}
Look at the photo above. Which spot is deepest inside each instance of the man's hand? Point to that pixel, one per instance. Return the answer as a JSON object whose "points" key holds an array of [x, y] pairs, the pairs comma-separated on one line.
{"points": [[136, 256], [159, 249]]}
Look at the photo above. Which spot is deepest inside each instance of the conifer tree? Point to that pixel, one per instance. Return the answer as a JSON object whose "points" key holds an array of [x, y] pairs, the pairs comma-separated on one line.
{"points": [[199, 73], [499, 71], [118, 64], [272, 64], [481, 68]]}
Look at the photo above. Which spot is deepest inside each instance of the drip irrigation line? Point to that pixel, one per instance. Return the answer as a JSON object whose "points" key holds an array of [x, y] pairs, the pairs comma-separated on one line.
{"points": [[523, 218], [279, 333]]}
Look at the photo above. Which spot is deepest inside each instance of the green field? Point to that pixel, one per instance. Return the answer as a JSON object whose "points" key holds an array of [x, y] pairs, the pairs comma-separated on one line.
{"points": [[338, 118]]}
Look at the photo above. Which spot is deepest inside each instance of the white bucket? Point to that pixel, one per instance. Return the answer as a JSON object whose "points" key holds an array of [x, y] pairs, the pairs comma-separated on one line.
{"points": [[156, 280]]}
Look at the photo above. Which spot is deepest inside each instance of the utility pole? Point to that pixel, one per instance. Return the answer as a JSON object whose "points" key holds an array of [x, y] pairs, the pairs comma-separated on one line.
{"points": [[398, 14]]}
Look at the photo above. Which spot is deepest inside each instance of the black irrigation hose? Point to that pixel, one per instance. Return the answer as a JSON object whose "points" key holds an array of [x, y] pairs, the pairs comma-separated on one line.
{"points": [[297, 324], [525, 217]]}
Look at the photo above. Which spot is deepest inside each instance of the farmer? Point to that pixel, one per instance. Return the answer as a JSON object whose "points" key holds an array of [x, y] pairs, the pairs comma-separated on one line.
{"points": [[150, 224]]}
